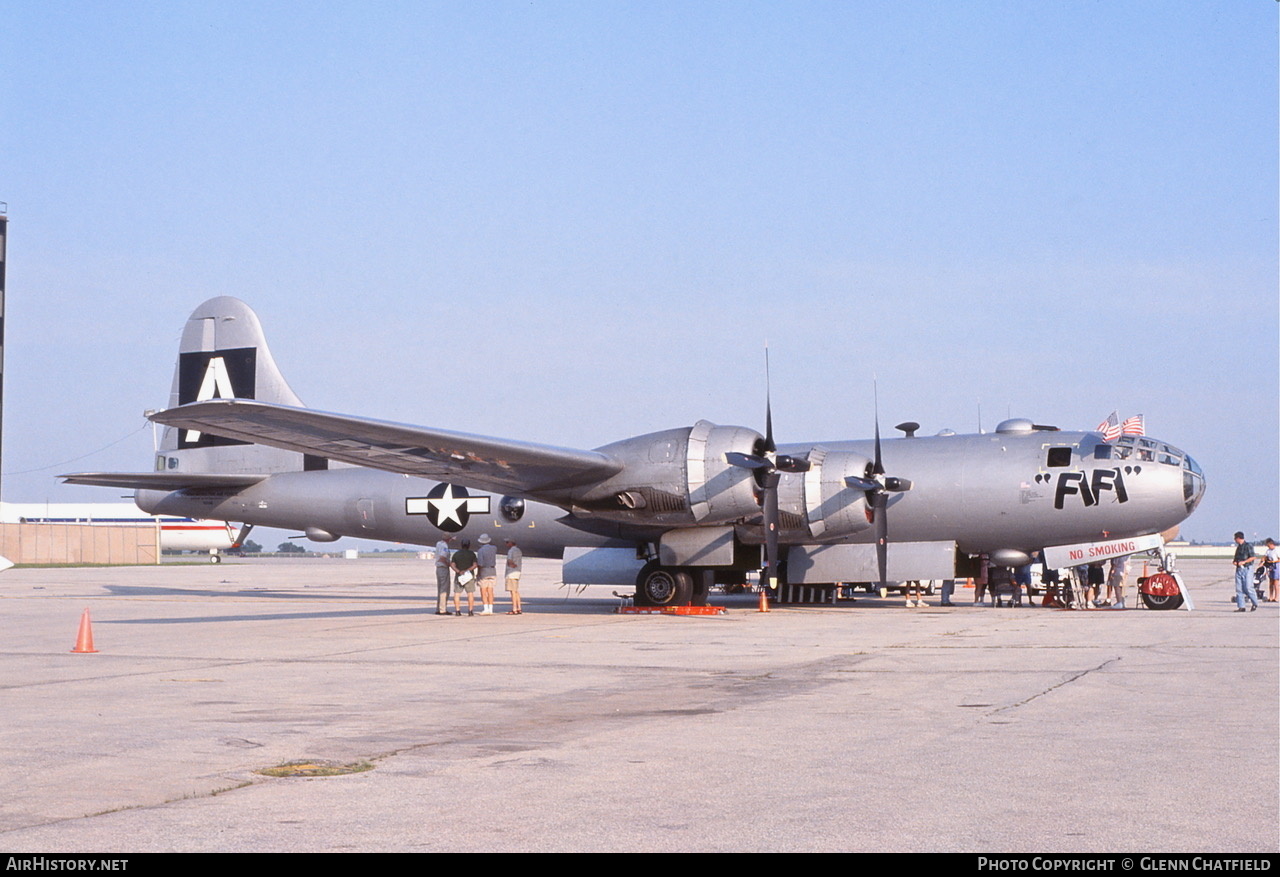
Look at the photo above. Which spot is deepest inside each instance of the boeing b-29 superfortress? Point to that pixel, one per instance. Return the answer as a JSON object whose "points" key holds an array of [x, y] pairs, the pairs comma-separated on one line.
{"points": [[674, 510]]}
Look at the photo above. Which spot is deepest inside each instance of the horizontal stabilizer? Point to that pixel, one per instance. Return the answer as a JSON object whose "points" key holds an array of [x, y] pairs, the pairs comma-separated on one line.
{"points": [[161, 480], [500, 465]]}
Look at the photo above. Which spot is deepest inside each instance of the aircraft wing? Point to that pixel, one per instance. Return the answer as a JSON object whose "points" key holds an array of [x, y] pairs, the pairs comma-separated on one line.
{"points": [[161, 480], [499, 465]]}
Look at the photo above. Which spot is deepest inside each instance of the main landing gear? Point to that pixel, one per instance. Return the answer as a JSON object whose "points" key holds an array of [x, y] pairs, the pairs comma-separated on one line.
{"points": [[672, 585]]}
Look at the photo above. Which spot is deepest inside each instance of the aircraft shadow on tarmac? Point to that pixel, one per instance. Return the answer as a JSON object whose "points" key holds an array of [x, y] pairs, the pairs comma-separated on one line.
{"points": [[569, 604]]}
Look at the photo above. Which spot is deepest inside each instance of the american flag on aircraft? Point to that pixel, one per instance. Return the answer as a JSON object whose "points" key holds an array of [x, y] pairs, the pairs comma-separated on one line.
{"points": [[1133, 426], [1110, 428]]}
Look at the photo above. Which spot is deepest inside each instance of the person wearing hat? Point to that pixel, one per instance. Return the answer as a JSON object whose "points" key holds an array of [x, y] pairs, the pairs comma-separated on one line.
{"points": [[487, 561]]}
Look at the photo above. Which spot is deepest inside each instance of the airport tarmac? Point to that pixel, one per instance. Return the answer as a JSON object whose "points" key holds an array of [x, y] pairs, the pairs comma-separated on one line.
{"points": [[863, 727]]}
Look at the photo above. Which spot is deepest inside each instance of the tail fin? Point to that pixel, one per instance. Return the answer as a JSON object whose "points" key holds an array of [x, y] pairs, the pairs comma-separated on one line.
{"points": [[223, 355]]}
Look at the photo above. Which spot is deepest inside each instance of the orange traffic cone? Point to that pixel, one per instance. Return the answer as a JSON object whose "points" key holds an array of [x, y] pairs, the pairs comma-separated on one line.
{"points": [[764, 601], [84, 640]]}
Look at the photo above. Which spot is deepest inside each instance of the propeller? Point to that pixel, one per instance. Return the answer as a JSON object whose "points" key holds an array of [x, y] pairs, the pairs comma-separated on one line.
{"points": [[878, 487], [768, 466]]}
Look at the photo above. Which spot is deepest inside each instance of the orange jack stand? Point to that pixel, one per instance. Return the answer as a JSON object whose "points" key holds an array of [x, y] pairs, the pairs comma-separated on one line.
{"points": [[671, 610], [84, 640], [764, 601]]}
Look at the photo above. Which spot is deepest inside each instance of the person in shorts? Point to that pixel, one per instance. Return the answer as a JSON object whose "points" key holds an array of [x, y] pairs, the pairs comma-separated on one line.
{"points": [[1271, 562], [487, 561], [515, 560], [464, 569]]}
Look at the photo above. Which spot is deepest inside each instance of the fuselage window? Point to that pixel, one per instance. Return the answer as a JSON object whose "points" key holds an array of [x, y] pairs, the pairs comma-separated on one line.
{"points": [[1059, 457], [1102, 452]]}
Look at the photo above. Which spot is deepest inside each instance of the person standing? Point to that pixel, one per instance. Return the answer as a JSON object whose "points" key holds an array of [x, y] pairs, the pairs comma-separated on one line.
{"points": [[515, 562], [1115, 581], [1095, 577], [1243, 562], [980, 582], [1021, 580], [487, 562], [1271, 560], [444, 576], [464, 567]]}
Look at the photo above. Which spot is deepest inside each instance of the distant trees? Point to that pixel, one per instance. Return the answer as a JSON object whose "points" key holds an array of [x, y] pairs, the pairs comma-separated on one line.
{"points": [[290, 548]]}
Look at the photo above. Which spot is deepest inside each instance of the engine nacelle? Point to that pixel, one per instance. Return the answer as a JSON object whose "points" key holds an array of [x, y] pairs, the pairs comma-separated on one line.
{"points": [[831, 508], [677, 477]]}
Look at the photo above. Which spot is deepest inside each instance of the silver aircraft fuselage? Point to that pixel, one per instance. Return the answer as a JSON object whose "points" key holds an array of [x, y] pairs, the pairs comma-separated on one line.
{"points": [[986, 492]]}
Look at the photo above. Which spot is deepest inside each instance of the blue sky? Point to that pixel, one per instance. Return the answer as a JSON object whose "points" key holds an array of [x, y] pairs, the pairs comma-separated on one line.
{"points": [[573, 222]]}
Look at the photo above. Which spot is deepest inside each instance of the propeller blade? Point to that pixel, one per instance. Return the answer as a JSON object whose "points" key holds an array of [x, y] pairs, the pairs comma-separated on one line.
{"points": [[864, 484], [769, 446], [746, 461], [877, 468], [785, 463], [769, 500], [881, 503]]}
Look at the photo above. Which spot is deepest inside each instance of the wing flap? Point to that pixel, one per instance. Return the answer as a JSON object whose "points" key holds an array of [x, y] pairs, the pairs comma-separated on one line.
{"points": [[500, 465]]}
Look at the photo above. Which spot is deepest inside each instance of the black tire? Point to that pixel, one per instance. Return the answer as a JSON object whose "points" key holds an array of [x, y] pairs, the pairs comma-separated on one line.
{"points": [[663, 586], [214, 558], [700, 589], [1161, 601]]}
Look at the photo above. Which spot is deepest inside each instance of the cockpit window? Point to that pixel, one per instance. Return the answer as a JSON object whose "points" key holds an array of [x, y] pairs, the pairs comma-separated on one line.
{"points": [[1192, 483]]}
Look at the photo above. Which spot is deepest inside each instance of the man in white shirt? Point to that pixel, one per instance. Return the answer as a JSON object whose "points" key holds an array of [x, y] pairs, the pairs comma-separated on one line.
{"points": [[444, 576]]}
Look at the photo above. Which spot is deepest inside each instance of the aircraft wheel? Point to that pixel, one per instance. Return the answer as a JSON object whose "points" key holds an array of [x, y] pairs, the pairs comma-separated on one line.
{"points": [[663, 586], [1161, 601], [214, 558]]}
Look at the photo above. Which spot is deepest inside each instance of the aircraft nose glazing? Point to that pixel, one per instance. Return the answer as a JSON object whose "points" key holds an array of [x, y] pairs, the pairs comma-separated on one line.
{"points": [[1193, 483]]}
